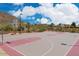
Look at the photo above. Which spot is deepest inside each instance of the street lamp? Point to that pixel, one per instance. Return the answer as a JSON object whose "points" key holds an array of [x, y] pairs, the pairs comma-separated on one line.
{"points": [[21, 5], [2, 37], [20, 17], [1, 32]]}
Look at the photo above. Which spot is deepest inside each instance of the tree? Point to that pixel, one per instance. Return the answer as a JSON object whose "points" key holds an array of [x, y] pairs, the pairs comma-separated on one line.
{"points": [[73, 24], [6, 27], [51, 25], [28, 27], [59, 24]]}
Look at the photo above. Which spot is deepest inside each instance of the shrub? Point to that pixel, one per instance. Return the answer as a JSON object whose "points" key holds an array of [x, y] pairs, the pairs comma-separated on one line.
{"points": [[41, 29]]}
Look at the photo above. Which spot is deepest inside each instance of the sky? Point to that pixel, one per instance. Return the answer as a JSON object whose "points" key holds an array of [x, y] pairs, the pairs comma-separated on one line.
{"points": [[43, 13]]}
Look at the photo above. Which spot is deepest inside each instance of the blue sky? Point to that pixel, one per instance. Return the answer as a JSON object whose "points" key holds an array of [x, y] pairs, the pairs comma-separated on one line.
{"points": [[5, 7], [40, 15]]}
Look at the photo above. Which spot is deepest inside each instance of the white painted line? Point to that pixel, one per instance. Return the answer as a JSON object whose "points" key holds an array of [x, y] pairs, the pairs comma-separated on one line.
{"points": [[51, 44], [50, 49], [15, 50], [71, 47]]}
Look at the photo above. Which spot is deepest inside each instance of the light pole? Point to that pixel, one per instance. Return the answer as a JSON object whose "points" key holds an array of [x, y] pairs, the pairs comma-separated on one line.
{"points": [[1, 30], [21, 5], [2, 37], [20, 18]]}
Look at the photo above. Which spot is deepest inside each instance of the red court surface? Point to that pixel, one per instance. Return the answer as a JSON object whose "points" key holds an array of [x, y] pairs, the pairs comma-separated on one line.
{"points": [[74, 51], [23, 41], [10, 51], [42, 44], [8, 48]]}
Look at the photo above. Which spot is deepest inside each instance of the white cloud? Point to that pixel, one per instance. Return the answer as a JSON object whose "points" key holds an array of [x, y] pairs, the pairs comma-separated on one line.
{"points": [[44, 21], [61, 13], [28, 11], [48, 5], [38, 20], [67, 8], [33, 18], [17, 13], [17, 4], [51, 12], [12, 11], [70, 11]]}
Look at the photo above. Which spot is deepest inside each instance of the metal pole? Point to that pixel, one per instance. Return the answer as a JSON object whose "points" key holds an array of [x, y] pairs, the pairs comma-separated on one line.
{"points": [[20, 19], [2, 38]]}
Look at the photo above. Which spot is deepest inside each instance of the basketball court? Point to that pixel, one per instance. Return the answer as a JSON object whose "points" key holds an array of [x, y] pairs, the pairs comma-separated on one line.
{"points": [[40, 44]]}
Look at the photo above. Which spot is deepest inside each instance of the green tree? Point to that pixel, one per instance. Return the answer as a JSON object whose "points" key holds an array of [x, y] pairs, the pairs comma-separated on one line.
{"points": [[51, 25], [73, 24], [28, 27]]}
